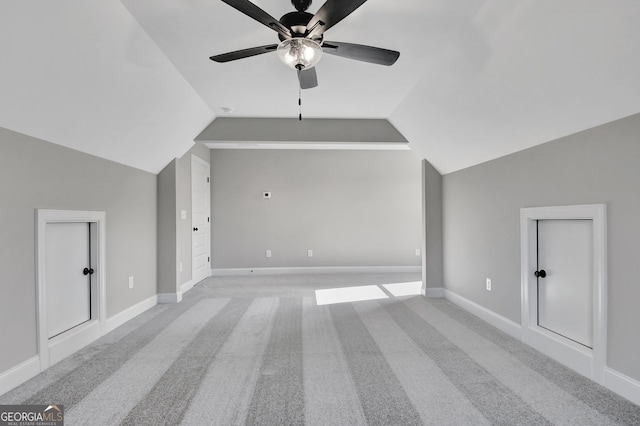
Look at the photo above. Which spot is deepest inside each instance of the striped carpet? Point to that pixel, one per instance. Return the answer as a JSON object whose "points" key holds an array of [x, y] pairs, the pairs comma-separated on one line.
{"points": [[261, 351]]}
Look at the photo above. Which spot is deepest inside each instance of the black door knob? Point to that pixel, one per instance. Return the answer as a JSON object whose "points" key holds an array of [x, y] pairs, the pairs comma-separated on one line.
{"points": [[540, 274], [195, 229], [87, 271]]}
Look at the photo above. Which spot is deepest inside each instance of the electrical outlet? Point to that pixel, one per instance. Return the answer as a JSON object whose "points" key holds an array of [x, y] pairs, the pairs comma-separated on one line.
{"points": [[309, 253], [267, 253], [131, 281], [180, 266], [488, 284], [417, 252], [266, 194]]}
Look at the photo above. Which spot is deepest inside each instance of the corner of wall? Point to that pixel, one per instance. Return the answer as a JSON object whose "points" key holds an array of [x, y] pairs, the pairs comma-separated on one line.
{"points": [[432, 265], [167, 241]]}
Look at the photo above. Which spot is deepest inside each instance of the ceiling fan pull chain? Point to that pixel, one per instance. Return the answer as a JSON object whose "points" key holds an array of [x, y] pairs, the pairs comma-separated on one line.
{"points": [[299, 98]]}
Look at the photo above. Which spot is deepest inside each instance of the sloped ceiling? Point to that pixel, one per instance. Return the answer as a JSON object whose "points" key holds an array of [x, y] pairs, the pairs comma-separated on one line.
{"points": [[86, 75], [131, 81]]}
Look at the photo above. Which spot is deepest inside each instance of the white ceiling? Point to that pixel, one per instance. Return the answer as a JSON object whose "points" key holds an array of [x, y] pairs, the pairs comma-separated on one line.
{"points": [[131, 80]]}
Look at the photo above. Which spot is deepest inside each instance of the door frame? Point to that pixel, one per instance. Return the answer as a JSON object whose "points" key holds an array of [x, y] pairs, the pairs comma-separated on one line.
{"points": [[588, 362], [196, 159], [51, 351]]}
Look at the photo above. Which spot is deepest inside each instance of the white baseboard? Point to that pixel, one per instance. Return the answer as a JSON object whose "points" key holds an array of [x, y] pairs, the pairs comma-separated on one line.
{"points": [[613, 380], [313, 270], [72, 341], [566, 352], [19, 374], [186, 287], [498, 321], [434, 292], [121, 317], [168, 298], [67, 345], [623, 385]]}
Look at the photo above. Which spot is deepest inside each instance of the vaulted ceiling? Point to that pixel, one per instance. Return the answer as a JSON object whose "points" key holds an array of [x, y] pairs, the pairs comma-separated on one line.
{"points": [[131, 80]]}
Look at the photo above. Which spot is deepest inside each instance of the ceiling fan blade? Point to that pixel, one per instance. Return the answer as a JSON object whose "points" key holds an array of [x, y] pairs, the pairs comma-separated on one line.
{"points": [[359, 52], [244, 53], [332, 12], [253, 11], [308, 78]]}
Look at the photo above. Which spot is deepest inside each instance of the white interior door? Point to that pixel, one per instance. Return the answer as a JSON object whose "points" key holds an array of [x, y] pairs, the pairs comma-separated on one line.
{"points": [[68, 289], [200, 240], [565, 288]]}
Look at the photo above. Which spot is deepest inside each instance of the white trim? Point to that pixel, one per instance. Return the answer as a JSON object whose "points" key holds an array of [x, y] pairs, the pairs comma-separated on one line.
{"points": [[72, 341], [19, 374], [590, 363], [498, 321], [168, 298], [437, 292], [571, 354], [423, 243], [312, 270], [613, 380], [622, 385], [186, 286], [122, 317], [98, 325]]}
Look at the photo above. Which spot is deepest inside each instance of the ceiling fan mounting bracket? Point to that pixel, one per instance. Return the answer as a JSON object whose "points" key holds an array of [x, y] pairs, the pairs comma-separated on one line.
{"points": [[301, 5]]}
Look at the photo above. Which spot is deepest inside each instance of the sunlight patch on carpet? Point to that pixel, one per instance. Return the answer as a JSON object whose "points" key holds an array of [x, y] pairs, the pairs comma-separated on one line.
{"points": [[413, 288], [349, 294]]}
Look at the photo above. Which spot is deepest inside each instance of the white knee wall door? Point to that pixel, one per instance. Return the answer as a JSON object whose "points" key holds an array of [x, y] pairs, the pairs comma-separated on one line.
{"points": [[68, 290], [564, 284], [565, 293]]}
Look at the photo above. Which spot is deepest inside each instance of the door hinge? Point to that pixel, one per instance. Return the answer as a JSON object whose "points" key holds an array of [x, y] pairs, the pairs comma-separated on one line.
{"points": [[208, 259], [207, 219], [207, 180]]}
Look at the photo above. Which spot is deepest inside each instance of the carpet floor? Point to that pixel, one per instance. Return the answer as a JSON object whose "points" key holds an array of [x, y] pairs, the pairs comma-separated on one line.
{"points": [[261, 350]]}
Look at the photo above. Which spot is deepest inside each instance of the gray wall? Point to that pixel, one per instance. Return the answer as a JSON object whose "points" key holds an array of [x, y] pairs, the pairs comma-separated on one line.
{"points": [[432, 211], [352, 208], [37, 174], [167, 229], [481, 222], [246, 129]]}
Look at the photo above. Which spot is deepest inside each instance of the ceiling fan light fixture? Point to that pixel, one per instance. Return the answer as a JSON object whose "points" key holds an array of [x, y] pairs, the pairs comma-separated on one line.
{"points": [[299, 52]]}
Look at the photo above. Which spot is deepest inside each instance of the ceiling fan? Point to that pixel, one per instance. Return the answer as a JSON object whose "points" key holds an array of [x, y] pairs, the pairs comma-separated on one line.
{"points": [[301, 38]]}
